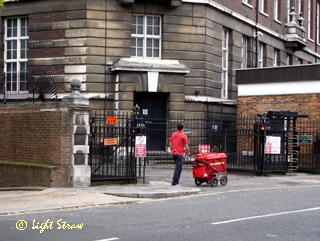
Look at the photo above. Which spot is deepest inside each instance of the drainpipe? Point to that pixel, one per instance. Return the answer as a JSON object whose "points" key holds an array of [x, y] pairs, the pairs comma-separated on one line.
{"points": [[256, 34], [105, 58], [317, 28]]}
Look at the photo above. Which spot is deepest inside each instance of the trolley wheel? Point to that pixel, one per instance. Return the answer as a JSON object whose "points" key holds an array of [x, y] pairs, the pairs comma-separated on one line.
{"points": [[223, 180], [197, 181], [214, 182]]}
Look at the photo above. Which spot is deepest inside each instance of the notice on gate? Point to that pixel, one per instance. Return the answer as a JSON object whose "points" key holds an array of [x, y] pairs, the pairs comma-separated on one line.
{"points": [[141, 144], [272, 145], [110, 141], [111, 120]]}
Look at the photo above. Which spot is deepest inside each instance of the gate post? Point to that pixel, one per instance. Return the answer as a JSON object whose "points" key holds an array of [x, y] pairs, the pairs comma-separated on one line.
{"points": [[78, 105]]}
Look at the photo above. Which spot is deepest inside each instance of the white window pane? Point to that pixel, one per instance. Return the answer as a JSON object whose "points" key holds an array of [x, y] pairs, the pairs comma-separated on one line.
{"points": [[149, 42], [139, 42], [149, 21], [133, 42], [133, 51], [140, 29], [133, 29], [156, 53], [133, 19], [156, 43], [156, 21], [140, 20], [139, 52], [156, 31], [149, 30], [149, 52]]}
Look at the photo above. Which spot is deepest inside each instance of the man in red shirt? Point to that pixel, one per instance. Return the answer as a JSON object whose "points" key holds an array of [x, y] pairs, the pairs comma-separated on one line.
{"points": [[178, 147]]}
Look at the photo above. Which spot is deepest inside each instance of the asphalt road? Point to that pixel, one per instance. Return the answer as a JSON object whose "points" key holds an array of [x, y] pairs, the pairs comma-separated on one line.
{"points": [[246, 209]]}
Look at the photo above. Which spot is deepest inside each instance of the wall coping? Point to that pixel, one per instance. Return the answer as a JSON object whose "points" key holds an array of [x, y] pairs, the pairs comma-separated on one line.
{"points": [[34, 164]]}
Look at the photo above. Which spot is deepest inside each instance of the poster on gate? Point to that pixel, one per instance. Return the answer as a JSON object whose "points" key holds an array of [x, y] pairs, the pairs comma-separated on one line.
{"points": [[204, 149], [272, 145], [140, 146]]}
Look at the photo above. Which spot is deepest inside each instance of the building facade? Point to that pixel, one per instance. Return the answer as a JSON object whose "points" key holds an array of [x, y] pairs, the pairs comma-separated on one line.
{"points": [[168, 56]]}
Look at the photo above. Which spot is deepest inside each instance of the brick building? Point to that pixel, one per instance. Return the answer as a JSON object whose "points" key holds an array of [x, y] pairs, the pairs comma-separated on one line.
{"points": [[167, 56], [286, 88]]}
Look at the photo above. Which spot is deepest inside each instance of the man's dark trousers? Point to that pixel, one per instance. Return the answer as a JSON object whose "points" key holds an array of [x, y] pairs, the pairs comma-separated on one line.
{"points": [[177, 171]]}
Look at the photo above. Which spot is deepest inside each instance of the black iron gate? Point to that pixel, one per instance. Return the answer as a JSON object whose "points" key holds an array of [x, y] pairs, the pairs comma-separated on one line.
{"points": [[244, 142], [112, 147]]}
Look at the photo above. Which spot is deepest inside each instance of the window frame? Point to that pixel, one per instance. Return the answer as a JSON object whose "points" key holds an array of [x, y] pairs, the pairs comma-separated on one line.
{"points": [[145, 37], [263, 7], [310, 22], [248, 3], [244, 53], [16, 83], [225, 63], [260, 55], [275, 57]]}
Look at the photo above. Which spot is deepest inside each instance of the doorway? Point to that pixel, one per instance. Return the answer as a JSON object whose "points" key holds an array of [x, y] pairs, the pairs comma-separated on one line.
{"points": [[153, 107]]}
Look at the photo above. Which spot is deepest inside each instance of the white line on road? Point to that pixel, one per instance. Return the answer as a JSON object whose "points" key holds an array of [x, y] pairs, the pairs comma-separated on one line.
{"points": [[109, 239], [267, 215]]}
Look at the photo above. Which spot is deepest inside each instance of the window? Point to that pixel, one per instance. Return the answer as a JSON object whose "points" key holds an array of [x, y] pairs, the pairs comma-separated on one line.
{"points": [[145, 36], [299, 9], [263, 6], [224, 77], [247, 2], [289, 59], [277, 10], [310, 22], [318, 22], [288, 10], [16, 54], [260, 56], [276, 57], [244, 52]]}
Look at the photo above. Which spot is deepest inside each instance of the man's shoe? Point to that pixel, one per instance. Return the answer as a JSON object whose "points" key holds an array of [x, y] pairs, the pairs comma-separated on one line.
{"points": [[176, 185]]}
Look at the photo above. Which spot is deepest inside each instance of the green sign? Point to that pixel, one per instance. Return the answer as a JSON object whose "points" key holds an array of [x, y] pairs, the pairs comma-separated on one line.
{"points": [[307, 139]]}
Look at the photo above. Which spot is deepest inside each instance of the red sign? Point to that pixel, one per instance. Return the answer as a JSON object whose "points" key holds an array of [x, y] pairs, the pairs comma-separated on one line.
{"points": [[111, 120], [141, 143]]}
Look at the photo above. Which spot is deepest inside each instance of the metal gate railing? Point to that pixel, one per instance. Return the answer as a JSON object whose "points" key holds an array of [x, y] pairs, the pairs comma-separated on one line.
{"points": [[239, 138], [242, 141], [112, 147]]}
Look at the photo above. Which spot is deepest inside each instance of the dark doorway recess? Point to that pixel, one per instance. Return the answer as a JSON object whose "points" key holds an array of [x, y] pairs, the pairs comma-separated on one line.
{"points": [[156, 106]]}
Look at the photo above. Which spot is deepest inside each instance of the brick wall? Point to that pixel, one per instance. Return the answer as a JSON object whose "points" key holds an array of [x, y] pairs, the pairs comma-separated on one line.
{"points": [[39, 137], [304, 104]]}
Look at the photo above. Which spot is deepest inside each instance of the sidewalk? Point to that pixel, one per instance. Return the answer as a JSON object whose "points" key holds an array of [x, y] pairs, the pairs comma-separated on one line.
{"points": [[17, 200]]}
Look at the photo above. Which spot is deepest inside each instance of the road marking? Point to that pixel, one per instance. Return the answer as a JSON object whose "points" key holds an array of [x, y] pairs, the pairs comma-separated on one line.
{"points": [[109, 239], [267, 215]]}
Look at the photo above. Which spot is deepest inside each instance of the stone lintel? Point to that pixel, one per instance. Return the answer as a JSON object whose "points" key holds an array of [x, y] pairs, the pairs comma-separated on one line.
{"points": [[150, 65]]}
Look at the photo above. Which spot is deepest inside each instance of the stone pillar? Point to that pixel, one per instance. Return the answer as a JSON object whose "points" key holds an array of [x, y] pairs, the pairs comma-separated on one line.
{"points": [[80, 171]]}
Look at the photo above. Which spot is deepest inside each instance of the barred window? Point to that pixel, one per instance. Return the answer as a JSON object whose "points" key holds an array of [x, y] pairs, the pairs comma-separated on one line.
{"points": [[16, 54], [145, 36]]}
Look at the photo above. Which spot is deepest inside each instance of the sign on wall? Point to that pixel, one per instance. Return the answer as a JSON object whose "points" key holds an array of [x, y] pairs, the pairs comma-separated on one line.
{"points": [[306, 139], [110, 141], [111, 120], [140, 148], [272, 145]]}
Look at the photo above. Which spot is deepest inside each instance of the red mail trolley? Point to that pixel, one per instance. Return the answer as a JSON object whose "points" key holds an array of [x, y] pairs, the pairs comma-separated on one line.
{"points": [[210, 168]]}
